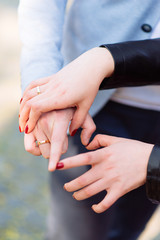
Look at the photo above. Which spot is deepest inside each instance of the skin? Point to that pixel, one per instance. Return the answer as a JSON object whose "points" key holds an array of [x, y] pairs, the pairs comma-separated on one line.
{"points": [[119, 167], [53, 126], [76, 85]]}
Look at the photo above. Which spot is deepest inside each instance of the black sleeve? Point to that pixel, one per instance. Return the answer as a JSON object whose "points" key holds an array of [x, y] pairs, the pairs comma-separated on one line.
{"points": [[153, 176], [137, 63]]}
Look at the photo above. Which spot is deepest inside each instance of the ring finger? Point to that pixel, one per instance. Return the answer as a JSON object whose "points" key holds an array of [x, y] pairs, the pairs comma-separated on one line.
{"points": [[43, 143], [90, 190]]}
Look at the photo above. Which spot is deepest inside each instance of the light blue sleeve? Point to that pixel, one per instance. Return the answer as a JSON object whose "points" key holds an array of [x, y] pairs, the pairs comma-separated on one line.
{"points": [[41, 30]]}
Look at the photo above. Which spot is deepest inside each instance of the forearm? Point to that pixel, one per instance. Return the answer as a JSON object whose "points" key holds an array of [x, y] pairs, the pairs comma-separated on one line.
{"points": [[137, 63], [153, 175], [41, 29]]}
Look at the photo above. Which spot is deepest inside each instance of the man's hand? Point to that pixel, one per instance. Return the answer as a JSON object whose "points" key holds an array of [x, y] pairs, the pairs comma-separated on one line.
{"points": [[119, 167]]}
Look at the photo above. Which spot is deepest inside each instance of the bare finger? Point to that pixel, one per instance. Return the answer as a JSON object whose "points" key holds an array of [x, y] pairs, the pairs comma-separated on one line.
{"points": [[90, 190], [111, 197], [82, 181]]}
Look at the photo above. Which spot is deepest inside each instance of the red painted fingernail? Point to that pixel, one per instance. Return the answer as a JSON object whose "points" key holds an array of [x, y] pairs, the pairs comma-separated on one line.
{"points": [[26, 129], [19, 115], [21, 100], [20, 129], [60, 165], [74, 132]]}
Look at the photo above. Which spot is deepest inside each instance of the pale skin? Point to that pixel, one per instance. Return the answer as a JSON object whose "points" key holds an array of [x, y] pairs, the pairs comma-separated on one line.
{"points": [[53, 126], [76, 85], [119, 167]]}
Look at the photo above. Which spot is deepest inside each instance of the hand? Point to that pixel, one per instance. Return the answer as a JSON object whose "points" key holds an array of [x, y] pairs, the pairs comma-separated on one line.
{"points": [[53, 126], [76, 85], [118, 168]]}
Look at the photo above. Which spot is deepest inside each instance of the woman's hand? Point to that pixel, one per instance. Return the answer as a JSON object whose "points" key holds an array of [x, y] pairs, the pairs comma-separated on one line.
{"points": [[118, 168], [53, 126], [76, 85]]}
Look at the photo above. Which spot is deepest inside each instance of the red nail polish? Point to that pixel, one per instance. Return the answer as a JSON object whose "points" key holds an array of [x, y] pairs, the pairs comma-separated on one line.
{"points": [[19, 115], [60, 165], [20, 129], [26, 129], [21, 100], [74, 132]]}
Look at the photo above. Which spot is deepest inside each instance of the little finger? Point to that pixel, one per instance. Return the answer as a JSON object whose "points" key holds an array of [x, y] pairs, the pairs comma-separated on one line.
{"points": [[110, 198]]}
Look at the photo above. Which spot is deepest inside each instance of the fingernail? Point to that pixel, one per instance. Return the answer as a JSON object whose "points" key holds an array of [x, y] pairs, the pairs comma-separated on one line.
{"points": [[26, 129], [60, 165], [74, 197], [51, 167], [74, 132], [21, 100], [20, 129], [19, 115]]}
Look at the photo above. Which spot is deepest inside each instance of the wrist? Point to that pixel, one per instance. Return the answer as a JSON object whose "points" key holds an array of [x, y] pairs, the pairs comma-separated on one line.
{"points": [[106, 61]]}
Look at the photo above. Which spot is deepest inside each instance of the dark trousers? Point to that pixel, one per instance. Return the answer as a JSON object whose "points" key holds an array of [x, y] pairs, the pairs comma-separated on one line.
{"points": [[125, 220]]}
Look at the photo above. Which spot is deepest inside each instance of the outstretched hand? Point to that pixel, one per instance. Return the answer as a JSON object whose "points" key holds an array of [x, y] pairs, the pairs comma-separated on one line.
{"points": [[76, 85], [118, 168]]}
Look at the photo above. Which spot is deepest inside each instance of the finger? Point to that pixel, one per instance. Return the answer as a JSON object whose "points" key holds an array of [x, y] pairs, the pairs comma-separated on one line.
{"points": [[82, 181], [101, 140], [107, 202], [44, 147], [31, 93], [88, 129], [33, 109], [78, 119], [65, 145], [36, 83], [82, 159], [90, 190], [30, 144], [58, 140]]}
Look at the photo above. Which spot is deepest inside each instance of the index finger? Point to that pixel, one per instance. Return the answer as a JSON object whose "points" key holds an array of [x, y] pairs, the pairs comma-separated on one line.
{"points": [[58, 140]]}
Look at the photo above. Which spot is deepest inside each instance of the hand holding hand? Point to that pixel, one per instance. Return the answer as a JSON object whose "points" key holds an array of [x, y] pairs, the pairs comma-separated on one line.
{"points": [[76, 85], [53, 126], [118, 168]]}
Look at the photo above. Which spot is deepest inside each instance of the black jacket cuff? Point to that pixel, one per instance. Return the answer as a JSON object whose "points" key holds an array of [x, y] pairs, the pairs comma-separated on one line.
{"points": [[136, 64], [153, 176]]}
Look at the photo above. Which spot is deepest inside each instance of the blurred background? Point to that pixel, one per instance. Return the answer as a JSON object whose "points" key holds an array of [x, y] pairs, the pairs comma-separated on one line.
{"points": [[24, 194]]}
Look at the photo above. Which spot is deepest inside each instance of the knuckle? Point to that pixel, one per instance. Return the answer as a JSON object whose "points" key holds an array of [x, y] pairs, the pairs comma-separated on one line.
{"points": [[98, 136], [87, 192], [28, 105], [88, 158], [43, 121], [81, 181], [94, 128], [34, 107]]}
